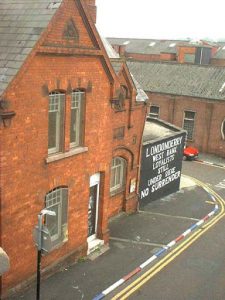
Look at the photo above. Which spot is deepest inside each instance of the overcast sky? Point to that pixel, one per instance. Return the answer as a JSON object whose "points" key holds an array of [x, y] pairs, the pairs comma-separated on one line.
{"points": [[161, 19]]}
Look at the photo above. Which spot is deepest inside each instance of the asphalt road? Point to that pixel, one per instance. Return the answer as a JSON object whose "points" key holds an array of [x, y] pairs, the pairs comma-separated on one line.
{"points": [[212, 176], [198, 272]]}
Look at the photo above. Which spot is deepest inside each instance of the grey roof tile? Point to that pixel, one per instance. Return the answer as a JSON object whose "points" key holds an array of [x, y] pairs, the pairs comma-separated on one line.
{"points": [[11, 71], [26, 50], [21, 24], [14, 64], [180, 79], [20, 57], [3, 86]]}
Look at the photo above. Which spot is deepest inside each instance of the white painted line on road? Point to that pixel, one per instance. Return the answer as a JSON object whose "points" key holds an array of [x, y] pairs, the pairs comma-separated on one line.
{"points": [[136, 242], [169, 216]]}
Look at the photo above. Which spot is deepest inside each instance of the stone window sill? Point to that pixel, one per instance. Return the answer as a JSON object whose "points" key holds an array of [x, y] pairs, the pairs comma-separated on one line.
{"points": [[72, 152], [117, 192], [120, 110]]}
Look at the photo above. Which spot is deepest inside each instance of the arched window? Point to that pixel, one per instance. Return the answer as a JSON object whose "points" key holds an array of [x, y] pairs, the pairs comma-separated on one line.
{"points": [[77, 118], [56, 122], [118, 171], [223, 130], [57, 201]]}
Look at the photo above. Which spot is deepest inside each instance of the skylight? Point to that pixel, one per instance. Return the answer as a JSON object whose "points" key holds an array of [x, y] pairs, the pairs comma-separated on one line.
{"points": [[223, 48], [152, 44], [126, 43], [172, 45]]}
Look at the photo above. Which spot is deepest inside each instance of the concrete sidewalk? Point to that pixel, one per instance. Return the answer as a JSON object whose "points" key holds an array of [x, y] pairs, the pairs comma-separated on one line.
{"points": [[134, 239]]}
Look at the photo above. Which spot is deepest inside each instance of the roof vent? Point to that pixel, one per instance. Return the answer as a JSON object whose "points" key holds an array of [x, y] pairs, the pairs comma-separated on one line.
{"points": [[222, 88], [54, 5]]}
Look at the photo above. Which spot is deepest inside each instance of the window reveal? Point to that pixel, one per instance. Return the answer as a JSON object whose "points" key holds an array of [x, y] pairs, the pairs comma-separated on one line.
{"points": [[76, 118], [154, 111], [188, 124], [55, 122], [117, 174], [57, 201]]}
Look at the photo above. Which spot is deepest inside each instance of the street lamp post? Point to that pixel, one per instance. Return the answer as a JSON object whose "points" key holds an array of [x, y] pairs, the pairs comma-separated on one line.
{"points": [[39, 247]]}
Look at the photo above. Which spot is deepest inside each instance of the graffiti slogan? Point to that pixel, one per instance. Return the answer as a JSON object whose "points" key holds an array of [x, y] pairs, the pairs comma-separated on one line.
{"points": [[161, 167]]}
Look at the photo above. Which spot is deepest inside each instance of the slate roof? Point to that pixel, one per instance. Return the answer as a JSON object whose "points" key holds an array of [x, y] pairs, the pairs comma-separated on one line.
{"points": [[180, 79], [220, 54], [147, 46], [141, 95], [21, 24]]}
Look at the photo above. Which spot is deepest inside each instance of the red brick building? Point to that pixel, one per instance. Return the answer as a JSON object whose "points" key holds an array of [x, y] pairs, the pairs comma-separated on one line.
{"points": [[185, 83], [179, 51], [188, 96], [70, 133]]}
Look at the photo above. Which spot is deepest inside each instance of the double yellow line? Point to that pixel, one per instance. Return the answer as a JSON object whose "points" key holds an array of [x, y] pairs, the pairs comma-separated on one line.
{"points": [[138, 283]]}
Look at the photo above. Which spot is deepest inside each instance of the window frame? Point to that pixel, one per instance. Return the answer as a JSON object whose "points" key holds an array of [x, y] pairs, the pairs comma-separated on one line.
{"points": [[57, 197], [152, 114], [188, 119], [60, 118], [118, 170], [79, 122], [189, 58]]}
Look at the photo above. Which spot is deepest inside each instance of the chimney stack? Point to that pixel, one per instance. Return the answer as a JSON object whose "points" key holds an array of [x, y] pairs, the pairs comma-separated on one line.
{"points": [[92, 9]]}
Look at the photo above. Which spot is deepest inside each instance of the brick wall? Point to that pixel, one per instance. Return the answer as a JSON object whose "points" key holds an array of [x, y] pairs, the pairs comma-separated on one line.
{"points": [[27, 177], [167, 56], [92, 9], [132, 117], [184, 50], [208, 121], [143, 57]]}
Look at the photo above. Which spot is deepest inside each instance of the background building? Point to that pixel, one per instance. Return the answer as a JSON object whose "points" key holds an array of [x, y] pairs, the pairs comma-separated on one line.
{"points": [[185, 82]]}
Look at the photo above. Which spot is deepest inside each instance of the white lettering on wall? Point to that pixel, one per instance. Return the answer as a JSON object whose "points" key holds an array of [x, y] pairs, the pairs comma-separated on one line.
{"points": [[162, 155]]}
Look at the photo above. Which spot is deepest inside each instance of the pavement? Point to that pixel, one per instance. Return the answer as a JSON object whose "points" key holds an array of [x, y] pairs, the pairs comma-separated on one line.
{"points": [[211, 159], [133, 240]]}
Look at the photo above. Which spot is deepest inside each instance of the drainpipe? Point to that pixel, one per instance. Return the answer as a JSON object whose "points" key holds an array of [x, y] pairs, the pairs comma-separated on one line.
{"points": [[139, 157]]}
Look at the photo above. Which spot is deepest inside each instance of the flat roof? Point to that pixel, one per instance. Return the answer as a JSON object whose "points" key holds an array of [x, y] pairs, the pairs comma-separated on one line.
{"points": [[157, 129]]}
